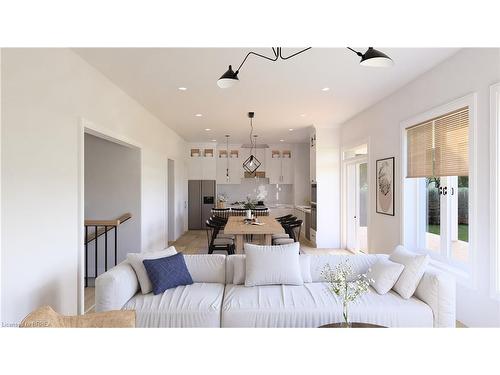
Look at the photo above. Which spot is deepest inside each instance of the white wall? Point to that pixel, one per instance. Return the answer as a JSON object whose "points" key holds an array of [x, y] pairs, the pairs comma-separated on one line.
{"points": [[328, 190], [470, 70], [112, 188], [45, 92]]}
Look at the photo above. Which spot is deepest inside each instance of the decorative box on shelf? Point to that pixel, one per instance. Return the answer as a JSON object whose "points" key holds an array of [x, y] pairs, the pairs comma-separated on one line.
{"points": [[223, 154], [195, 152], [234, 154], [287, 154], [275, 154], [209, 153]]}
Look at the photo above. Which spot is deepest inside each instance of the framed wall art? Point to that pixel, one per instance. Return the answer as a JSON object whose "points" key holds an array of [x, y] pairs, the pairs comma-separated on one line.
{"points": [[385, 186]]}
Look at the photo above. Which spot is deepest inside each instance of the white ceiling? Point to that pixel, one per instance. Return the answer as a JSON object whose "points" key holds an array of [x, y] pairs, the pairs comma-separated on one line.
{"points": [[283, 94]]}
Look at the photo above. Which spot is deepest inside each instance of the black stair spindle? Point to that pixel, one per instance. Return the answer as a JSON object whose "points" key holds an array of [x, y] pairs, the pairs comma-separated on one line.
{"points": [[116, 244], [96, 242], [105, 248]]}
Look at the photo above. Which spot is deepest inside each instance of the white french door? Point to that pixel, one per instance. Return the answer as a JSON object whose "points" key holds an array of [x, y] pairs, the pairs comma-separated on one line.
{"points": [[356, 210]]}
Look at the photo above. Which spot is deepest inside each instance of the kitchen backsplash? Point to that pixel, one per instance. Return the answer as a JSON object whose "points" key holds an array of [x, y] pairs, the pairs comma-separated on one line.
{"points": [[270, 194]]}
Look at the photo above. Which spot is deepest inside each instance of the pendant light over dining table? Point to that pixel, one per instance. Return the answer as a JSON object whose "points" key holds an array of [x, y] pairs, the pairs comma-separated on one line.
{"points": [[251, 164], [371, 58]]}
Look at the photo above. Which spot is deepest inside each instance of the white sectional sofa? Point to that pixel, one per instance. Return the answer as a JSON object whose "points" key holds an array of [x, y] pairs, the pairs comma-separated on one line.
{"points": [[214, 301]]}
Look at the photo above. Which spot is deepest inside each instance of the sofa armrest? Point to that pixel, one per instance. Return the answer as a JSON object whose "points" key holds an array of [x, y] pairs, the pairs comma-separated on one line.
{"points": [[115, 287], [438, 290]]}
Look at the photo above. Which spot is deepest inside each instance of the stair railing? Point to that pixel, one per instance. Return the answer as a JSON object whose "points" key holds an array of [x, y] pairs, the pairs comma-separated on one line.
{"points": [[102, 227]]}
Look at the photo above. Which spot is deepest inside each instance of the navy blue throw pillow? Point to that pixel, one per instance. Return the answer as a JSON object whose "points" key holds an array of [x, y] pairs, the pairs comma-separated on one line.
{"points": [[168, 272]]}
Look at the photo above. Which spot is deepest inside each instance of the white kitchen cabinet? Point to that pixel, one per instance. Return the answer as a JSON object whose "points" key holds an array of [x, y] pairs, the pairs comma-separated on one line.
{"points": [[235, 170], [195, 167], [279, 169], [273, 170], [201, 167], [208, 168], [221, 166], [287, 171]]}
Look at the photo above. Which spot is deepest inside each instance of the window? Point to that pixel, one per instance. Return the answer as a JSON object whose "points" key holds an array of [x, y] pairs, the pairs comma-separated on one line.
{"points": [[437, 202]]}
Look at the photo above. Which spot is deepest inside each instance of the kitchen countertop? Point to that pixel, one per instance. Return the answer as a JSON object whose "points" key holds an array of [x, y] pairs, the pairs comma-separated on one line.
{"points": [[306, 209]]}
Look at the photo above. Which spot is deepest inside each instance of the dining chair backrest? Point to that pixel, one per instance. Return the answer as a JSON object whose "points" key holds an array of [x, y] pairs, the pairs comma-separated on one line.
{"points": [[238, 212], [221, 212], [212, 232], [260, 211], [293, 229], [283, 218], [218, 220]]}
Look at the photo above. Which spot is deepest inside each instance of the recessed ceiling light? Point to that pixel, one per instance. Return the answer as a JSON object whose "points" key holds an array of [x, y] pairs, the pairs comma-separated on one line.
{"points": [[325, 89], [214, 140], [290, 130], [303, 115], [282, 140], [198, 115], [182, 88], [207, 129]]}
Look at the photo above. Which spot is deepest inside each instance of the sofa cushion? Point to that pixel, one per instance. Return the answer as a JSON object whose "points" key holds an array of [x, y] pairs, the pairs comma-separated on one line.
{"points": [[270, 265], [384, 274], [415, 266], [239, 268], [166, 273], [207, 268], [312, 305], [195, 305], [136, 259]]}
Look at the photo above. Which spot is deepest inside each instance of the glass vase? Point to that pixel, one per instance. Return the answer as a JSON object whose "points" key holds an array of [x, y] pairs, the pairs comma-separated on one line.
{"points": [[345, 314]]}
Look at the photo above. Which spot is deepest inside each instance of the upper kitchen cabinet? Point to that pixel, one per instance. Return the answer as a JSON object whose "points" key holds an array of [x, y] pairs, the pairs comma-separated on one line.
{"points": [[201, 163], [229, 166], [279, 165]]}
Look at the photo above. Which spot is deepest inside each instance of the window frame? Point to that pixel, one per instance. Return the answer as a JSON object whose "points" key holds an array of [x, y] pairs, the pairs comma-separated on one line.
{"points": [[465, 273], [495, 190]]}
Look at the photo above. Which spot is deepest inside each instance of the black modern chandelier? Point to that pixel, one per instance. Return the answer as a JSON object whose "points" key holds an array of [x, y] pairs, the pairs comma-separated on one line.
{"points": [[371, 57], [252, 163]]}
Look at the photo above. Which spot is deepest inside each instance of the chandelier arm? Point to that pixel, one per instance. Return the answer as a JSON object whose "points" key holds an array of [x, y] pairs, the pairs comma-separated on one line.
{"points": [[295, 54], [356, 52], [257, 54]]}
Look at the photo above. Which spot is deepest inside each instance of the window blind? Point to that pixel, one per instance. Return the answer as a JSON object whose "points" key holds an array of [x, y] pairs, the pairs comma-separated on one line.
{"points": [[439, 147], [420, 155]]}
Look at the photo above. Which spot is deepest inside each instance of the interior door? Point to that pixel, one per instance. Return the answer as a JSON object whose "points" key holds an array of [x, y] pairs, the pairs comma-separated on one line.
{"points": [[356, 195]]}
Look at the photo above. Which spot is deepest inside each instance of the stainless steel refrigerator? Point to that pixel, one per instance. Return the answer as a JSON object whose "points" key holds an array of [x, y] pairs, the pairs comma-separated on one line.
{"points": [[201, 199]]}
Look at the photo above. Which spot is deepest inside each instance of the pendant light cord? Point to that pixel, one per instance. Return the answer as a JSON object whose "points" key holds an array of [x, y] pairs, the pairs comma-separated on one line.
{"points": [[251, 136]]}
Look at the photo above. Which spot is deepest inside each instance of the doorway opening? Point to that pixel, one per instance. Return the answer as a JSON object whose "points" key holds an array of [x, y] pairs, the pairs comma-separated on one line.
{"points": [[356, 197], [171, 201], [112, 207]]}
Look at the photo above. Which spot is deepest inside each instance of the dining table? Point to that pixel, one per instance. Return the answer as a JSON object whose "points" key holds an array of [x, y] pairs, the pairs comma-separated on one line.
{"points": [[267, 226]]}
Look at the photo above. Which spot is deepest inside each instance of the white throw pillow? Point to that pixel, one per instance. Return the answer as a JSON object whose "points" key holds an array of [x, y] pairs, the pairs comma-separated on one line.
{"points": [[415, 265], [135, 260], [272, 265], [239, 267], [384, 274]]}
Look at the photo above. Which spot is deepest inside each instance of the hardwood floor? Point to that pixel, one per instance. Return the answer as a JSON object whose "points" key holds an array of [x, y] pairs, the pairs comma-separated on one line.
{"points": [[89, 300], [195, 242]]}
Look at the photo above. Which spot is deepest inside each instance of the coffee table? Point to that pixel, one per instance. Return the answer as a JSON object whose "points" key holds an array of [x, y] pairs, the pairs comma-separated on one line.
{"points": [[353, 325]]}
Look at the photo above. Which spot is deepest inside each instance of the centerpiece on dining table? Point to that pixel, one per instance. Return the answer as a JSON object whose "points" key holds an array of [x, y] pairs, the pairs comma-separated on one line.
{"points": [[249, 205]]}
